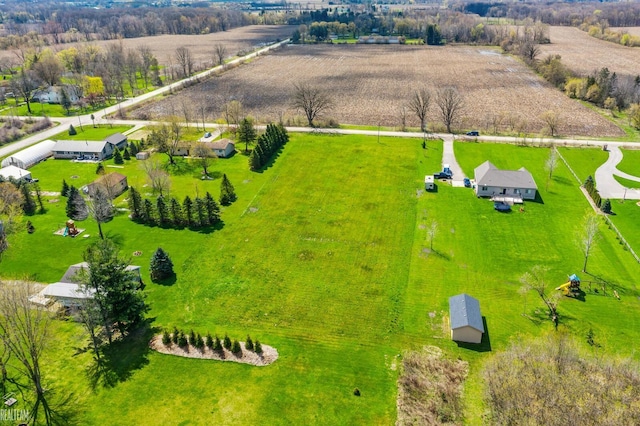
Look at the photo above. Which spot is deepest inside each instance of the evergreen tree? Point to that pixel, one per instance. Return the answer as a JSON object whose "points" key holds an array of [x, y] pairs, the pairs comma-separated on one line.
{"points": [[36, 188], [148, 213], [176, 213], [133, 149], [126, 155], [72, 130], [226, 342], [117, 157], [254, 161], [209, 341], [135, 203], [28, 204], [227, 191], [188, 211], [65, 188], [258, 347], [217, 344], [213, 211], [76, 206], [249, 343], [182, 340], [161, 266], [606, 206], [163, 212], [175, 335], [166, 338], [235, 347], [100, 169], [192, 338], [199, 342], [201, 217], [246, 133]]}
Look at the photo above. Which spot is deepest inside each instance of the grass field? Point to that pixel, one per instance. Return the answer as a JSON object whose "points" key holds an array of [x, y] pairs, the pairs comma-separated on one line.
{"points": [[90, 133], [584, 162], [325, 256], [628, 183], [625, 218], [630, 162]]}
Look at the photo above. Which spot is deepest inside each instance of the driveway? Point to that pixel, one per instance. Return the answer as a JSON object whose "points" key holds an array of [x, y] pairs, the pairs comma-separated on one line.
{"points": [[449, 157], [607, 185]]}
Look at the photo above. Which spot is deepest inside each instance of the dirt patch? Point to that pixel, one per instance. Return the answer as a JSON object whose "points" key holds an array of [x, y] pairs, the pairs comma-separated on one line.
{"points": [[269, 354]]}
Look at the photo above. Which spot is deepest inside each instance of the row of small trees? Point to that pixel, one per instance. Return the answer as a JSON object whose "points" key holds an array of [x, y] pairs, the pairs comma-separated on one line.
{"points": [[590, 186], [268, 144], [179, 338], [196, 213]]}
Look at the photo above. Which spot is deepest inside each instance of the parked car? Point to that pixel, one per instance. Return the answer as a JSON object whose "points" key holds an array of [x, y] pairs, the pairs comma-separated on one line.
{"points": [[443, 175], [501, 207], [473, 133], [467, 182]]}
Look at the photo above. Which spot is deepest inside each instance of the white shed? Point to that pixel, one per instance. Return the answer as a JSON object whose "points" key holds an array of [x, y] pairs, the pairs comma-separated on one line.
{"points": [[15, 172], [428, 183], [30, 156]]}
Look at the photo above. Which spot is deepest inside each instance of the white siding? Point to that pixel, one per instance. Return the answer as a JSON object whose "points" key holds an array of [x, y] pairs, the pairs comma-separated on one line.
{"points": [[466, 334]]}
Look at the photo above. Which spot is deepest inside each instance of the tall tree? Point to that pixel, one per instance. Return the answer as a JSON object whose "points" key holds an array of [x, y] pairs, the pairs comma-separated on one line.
{"points": [[187, 206], [552, 120], [185, 60], [135, 203], [161, 266], [163, 211], [246, 133], [203, 152], [115, 288], [157, 177], [100, 208], [534, 280], [201, 216], [551, 164], [588, 236], [176, 212], [450, 105], [212, 209], [227, 191], [28, 203], [24, 84], [166, 138], [76, 205], [313, 101], [419, 104], [219, 53]]}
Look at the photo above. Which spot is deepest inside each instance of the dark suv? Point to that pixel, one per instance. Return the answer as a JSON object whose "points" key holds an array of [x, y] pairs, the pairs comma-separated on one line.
{"points": [[473, 133]]}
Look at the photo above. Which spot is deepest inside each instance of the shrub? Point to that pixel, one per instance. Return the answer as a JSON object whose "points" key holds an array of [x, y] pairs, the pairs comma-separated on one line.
{"points": [[161, 266], [100, 169], [199, 342], [117, 157], [235, 347], [30, 228], [249, 343], [182, 340], [606, 206], [258, 347], [192, 338], [72, 130], [227, 342], [209, 341], [65, 188], [175, 335], [217, 344], [166, 338]]}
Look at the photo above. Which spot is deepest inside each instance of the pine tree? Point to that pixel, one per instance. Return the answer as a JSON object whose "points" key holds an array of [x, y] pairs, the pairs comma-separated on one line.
{"points": [[176, 213], [72, 130], [163, 212], [226, 342], [199, 342], [258, 347], [209, 341], [126, 155], [36, 188], [188, 210], [217, 344], [182, 340], [213, 211], [161, 266], [236, 348], [65, 188], [606, 206], [246, 133], [227, 191], [117, 157], [28, 204], [166, 338], [175, 335], [76, 206], [100, 169], [192, 338], [135, 203], [248, 344], [148, 213], [133, 149], [202, 219], [254, 161]]}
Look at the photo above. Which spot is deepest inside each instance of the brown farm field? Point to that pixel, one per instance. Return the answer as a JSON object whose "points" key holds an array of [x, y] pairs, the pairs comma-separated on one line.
{"points": [[585, 54], [631, 30], [371, 83], [201, 46]]}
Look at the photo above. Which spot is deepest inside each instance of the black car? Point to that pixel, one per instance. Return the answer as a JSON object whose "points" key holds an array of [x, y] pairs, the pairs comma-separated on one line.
{"points": [[473, 133]]}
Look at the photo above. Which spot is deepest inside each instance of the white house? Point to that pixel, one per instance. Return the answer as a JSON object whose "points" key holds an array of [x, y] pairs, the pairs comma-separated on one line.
{"points": [[30, 156], [16, 173], [223, 148], [465, 319], [504, 185], [89, 150], [53, 95]]}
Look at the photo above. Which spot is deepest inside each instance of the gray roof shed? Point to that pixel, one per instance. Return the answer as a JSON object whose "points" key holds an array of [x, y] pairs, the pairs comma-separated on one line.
{"points": [[464, 310]]}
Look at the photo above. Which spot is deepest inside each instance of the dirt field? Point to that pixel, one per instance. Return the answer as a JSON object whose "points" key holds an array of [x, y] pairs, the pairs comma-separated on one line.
{"points": [[631, 30], [371, 83], [585, 54], [201, 46]]}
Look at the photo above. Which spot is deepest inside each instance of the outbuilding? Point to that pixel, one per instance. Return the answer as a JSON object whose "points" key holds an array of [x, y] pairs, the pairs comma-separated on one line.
{"points": [[16, 173], [30, 156], [113, 183], [429, 184], [465, 319]]}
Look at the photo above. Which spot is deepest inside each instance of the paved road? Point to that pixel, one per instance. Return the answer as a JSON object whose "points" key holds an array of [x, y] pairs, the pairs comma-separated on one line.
{"points": [[607, 185]]}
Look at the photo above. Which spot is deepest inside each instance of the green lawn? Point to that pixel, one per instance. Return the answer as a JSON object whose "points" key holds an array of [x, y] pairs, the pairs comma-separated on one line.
{"points": [[90, 133], [325, 256], [630, 162], [625, 218], [584, 161], [628, 183]]}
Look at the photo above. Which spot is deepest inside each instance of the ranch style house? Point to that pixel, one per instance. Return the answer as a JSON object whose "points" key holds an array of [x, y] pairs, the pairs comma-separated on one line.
{"points": [[504, 185]]}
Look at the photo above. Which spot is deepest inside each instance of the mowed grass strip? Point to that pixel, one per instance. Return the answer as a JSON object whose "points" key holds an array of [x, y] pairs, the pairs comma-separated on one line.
{"points": [[630, 162]]}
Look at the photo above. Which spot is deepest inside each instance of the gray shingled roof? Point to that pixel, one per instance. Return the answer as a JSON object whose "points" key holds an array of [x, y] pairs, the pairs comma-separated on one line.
{"points": [[486, 174], [115, 138], [464, 311], [221, 144], [71, 275], [79, 146]]}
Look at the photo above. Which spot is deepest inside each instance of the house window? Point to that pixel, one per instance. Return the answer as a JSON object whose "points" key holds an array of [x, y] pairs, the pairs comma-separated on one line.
{"points": [[528, 191], [517, 191], [484, 188]]}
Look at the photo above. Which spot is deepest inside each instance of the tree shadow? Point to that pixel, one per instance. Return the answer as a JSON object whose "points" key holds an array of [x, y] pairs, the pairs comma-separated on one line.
{"points": [[169, 281], [485, 343], [562, 180], [122, 357], [440, 254], [271, 161], [180, 167]]}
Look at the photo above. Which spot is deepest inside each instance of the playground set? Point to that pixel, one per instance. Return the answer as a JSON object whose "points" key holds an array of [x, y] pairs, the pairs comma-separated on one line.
{"points": [[69, 229], [572, 287]]}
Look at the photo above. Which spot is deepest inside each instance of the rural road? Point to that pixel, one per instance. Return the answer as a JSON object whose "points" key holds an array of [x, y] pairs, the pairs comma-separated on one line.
{"points": [[607, 185]]}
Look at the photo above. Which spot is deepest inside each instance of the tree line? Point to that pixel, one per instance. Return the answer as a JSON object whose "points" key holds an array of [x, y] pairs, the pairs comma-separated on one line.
{"points": [[268, 144], [184, 340]]}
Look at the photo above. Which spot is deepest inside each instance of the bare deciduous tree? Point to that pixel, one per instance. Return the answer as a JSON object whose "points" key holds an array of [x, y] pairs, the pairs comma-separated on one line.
{"points": [[534, 280], [403, 118], [219, 54], [588, 236], [419, 104], [450, 105], [100, 207], [552, 120], [551, 164], [432, 231], [158, 178], [233, 113], [205, 156], [313, 101], [146, 60], [185, 60], [167, 137]]}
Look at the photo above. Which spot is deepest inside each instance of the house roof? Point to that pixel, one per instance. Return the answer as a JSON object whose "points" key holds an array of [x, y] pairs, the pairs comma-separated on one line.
{"points": [[115, 138], [14, 172], [464, 310], [71, 275], [80, 146], [486, 174], [110, 178], [222, 144], [67, 291]]}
